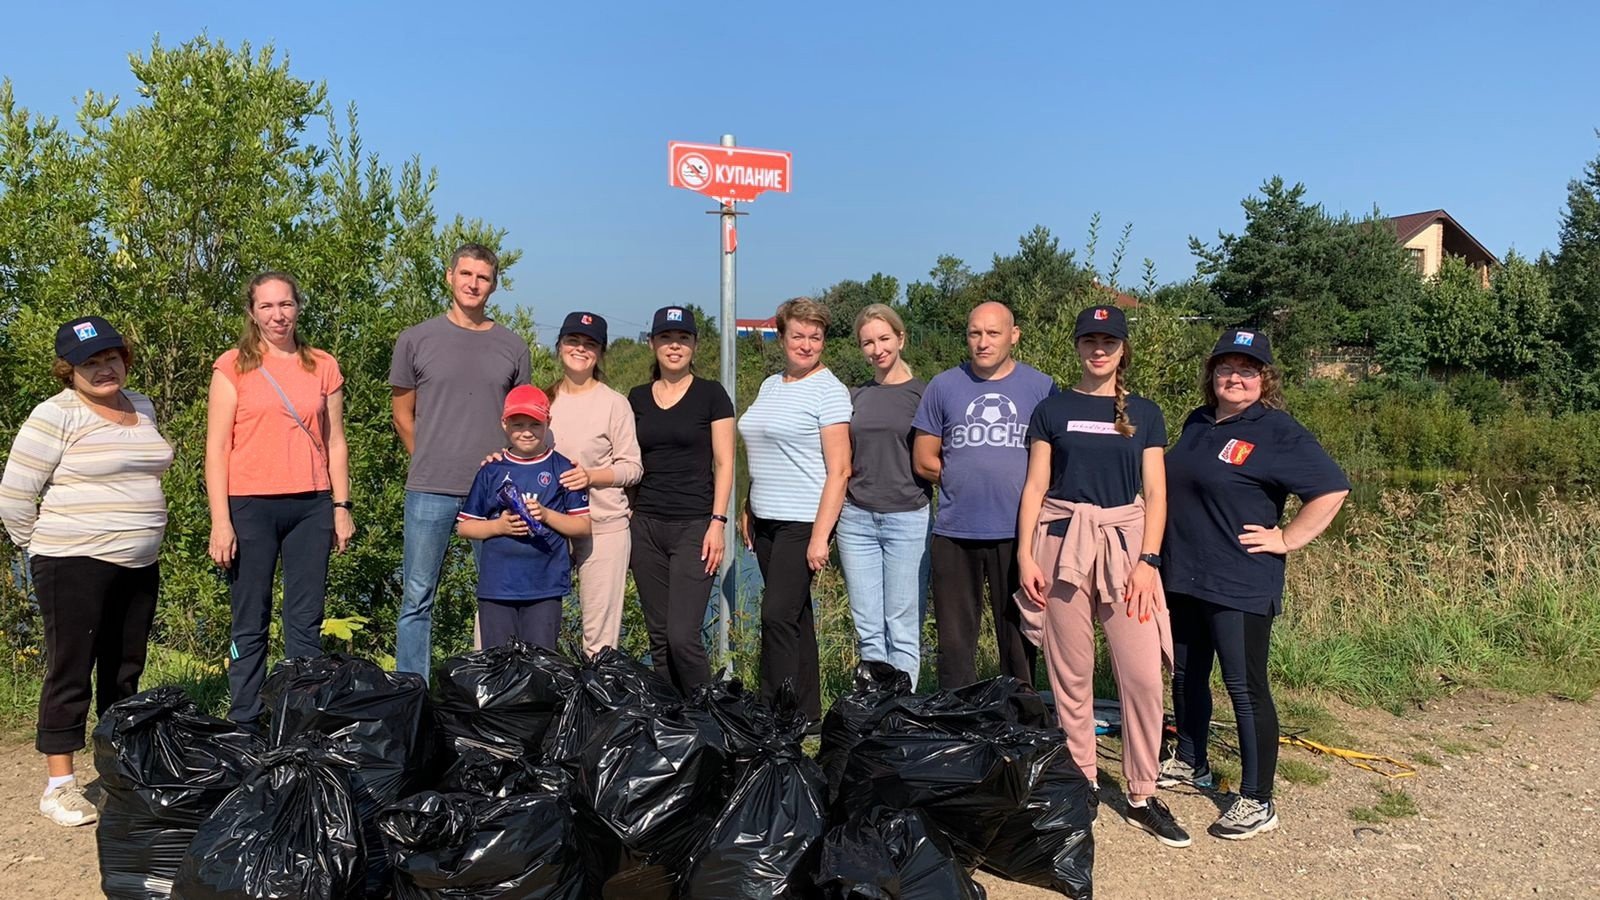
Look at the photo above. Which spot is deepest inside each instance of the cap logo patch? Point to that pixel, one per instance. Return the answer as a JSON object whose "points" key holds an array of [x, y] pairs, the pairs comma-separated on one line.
{"points": [[1244, 338], [84, 330], [587, 319], [544, 479], [674, 315], [1101, 315], [1235, 452]]}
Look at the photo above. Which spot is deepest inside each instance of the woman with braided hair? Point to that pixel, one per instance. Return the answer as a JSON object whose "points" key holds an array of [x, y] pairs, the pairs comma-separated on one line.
{"points": [[1093, 512]]}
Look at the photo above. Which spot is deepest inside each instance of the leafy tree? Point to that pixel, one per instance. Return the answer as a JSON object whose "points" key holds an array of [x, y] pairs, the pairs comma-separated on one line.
{"points": [[848, 298], [1310, 279], [155, 214], [942, 302], [1575, 270], [1459, 316]]}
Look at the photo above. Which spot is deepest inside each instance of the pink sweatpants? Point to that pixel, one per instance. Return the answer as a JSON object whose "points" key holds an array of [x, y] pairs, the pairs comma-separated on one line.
{"points": [[600, 564], [1136, 662]]}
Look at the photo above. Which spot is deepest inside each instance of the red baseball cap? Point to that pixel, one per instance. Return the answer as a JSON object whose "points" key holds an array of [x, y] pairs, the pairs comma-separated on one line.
{"points": [[526, 400]]}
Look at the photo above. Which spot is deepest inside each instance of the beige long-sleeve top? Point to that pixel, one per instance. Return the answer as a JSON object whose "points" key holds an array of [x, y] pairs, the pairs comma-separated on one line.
{"points": [[77, 484], [595, 429]]}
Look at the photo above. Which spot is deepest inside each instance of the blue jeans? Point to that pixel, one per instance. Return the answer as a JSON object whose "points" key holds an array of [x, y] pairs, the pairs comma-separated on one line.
{"points": [[885, 561], [430, 520]]}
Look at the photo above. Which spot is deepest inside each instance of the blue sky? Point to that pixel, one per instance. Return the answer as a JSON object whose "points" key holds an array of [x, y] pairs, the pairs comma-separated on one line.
{"points": [[917, 128]]}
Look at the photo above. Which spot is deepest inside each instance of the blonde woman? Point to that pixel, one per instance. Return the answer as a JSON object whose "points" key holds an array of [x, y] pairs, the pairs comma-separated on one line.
{"points": [[278, 480], [885, 524]]}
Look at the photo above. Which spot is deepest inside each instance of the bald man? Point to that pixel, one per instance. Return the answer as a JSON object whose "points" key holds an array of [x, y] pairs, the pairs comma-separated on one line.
{"points": [[971, 438]]}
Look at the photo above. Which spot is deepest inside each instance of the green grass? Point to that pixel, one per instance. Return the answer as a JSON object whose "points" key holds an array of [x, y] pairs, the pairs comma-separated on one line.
{"points": [[1456, 748], [1298, 771], [1395, 804], [1427, 592], [1425, 758]]}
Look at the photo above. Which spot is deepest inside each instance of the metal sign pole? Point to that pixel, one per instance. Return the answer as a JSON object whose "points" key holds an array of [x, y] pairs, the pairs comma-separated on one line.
{"points": [[730, 373]]}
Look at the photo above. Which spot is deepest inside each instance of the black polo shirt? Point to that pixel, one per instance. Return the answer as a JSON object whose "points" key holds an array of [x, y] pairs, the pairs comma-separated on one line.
{"points": [[1224, 476]]}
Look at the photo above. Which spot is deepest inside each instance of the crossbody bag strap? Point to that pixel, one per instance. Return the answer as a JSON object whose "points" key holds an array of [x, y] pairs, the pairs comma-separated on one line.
{"points": [[289, 407]]}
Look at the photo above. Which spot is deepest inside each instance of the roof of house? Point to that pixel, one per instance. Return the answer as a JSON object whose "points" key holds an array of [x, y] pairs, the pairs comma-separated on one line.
{"points": [[1458, 240], [770, 322]]}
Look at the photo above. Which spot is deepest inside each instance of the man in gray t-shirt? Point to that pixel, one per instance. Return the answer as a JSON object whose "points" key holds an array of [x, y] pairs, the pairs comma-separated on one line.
{"points": [[449, 379]]}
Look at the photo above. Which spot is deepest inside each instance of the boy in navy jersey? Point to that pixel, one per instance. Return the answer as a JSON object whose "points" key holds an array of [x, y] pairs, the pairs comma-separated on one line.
{"points": [[523, 571]]}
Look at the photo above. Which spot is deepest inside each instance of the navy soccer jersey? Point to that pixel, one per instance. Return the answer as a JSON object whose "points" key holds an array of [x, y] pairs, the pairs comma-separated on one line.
{"points": [[538, 566], [1222, 476], [1089, 461]]}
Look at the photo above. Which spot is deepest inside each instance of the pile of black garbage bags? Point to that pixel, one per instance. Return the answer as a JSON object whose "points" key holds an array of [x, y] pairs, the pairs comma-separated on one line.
{"points": [[528, 775]]}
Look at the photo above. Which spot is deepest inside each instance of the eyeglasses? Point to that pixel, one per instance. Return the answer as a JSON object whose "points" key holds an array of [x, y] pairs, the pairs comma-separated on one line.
{"points": [[1225, 370]]}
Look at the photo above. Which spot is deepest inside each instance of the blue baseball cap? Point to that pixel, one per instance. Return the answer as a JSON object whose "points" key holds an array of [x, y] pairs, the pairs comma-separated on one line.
{"points": [[1253, 344], [82, 338]]}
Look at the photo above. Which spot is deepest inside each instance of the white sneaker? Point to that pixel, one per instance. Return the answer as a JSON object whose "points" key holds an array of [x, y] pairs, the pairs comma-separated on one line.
{"points": [[66, 805]]}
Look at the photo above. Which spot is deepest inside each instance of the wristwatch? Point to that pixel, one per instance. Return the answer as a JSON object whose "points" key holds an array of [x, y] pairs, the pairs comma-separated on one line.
{"points": [[718, 517], [1153, 560], [344, 504]]}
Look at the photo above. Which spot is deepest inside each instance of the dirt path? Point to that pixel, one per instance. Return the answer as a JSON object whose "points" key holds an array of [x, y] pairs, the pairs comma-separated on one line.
{"points": [[1511, 809]]}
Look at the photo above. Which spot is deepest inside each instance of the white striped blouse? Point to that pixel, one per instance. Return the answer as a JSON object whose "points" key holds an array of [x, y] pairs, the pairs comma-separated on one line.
{"points": [[77, 484]]}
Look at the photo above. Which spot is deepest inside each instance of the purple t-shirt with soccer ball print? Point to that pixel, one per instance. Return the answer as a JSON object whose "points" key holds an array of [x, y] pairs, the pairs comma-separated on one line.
{"points": [[983, 428]]}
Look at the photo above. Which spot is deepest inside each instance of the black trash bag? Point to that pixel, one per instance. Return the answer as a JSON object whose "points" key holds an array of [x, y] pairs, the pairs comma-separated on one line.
{"points": [[466, 847], [977, 705], [892, 854], [749, 727], [164, 766], [505, 698], [968, 783], [647, 789], [879, 687], [290, 830], [489, 774], [382, 719], [763, 845], [1049, 842], [607, 681]]}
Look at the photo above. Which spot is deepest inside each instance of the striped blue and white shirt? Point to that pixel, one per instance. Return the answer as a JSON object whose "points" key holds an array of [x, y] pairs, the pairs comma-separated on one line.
{"points": [[782, 434]]}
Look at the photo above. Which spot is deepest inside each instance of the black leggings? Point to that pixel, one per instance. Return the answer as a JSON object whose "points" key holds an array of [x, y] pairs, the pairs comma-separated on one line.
{"points": [[1201, 630], [299, 529]]}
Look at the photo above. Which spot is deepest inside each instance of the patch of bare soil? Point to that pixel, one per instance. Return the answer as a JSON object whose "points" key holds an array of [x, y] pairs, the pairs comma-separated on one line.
{"points": [[1512, 809]]}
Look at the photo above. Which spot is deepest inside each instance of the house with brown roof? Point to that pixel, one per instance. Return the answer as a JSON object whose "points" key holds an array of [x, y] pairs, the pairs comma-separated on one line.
{"points": [[1432, 235]]}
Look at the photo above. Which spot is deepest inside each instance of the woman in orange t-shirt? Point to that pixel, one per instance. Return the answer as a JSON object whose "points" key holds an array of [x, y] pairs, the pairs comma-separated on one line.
{"points": [[278, 480]]}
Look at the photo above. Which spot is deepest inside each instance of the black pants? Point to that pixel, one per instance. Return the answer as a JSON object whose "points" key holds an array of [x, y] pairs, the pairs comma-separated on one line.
{"points": [[673, 592], [1201, 630], [961, 569], [788, 630], [299, 528], [535, 622], [97, 619]]}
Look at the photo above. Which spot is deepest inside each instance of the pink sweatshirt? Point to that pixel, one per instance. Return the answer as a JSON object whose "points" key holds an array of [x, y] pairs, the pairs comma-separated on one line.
{"points": [[595, 430]]}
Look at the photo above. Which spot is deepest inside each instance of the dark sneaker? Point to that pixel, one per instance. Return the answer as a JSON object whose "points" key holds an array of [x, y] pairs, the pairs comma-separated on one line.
{"points": [[1155, 818], [1175, 771], [1245, 819]]}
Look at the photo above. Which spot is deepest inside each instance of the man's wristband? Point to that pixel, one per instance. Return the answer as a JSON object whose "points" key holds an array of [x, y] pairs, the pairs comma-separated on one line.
{"points": [[718, 517], [344, 504]]}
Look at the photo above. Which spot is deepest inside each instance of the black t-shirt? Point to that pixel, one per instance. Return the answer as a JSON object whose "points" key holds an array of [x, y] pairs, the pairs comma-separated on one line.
{"points": [[1089, 461], [675, 449], [1224, 476]]}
